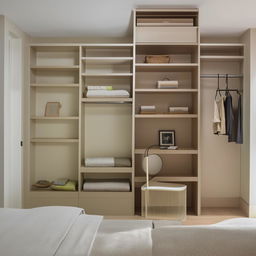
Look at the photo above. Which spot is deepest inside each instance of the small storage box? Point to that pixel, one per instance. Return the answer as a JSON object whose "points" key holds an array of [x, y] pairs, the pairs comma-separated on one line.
{"points": [[164, 201], [166, 34]]}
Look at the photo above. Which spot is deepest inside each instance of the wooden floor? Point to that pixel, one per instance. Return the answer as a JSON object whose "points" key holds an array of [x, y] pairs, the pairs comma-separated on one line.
{"points": [[208, 216]]}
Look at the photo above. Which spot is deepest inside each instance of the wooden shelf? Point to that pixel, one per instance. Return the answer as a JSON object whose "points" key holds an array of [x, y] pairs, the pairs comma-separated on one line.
{"points": [[54, 118], [180, 151], [145, 67], [108, 74], [141, 179], [74, 67], [164, 90], [219, 45], [106, 169], [55, 85], [168, 44], [85, 100], [166, 116], [53, 140], [221, 58], [108, 45], [107, 60]]}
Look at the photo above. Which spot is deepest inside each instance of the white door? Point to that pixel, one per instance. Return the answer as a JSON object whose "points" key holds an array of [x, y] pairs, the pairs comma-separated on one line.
{"points": [[13, 125]]}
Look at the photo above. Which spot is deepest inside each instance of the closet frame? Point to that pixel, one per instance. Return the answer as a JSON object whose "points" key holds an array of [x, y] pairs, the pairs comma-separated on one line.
{"points": [[67, 63]]}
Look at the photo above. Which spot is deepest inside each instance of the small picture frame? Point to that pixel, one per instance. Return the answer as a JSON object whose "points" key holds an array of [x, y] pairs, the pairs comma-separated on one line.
{"points": [[166, 138], [52, 109]]}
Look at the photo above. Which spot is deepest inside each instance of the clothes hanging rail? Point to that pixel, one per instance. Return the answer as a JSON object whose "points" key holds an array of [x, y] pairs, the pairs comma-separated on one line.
{"points": [[221, 76]]}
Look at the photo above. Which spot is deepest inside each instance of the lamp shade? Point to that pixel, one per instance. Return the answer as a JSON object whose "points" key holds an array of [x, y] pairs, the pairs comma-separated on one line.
{"points": [[154, 164]]}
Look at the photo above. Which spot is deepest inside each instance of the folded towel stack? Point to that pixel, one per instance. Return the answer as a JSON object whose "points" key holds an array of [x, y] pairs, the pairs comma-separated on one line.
{"points": [[110, 185], [69, 186], [107, 162], [178, 110], [105, 91], [148, 109]]}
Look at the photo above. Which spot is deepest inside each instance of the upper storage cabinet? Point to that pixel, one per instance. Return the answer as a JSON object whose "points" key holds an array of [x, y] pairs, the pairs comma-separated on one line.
{"points": [[171, 26]]}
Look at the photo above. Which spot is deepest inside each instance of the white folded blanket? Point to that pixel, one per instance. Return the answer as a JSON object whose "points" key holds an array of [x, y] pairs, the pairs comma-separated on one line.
{"points": [[100, 162], [122, 185], [107, 93]]}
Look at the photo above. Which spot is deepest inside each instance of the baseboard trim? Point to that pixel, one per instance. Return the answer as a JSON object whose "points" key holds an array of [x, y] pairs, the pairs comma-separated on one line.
{"points": [[230, 202], [244, 206]]}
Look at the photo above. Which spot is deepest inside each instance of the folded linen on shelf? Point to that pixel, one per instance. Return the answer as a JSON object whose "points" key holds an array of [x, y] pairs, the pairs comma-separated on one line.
{"points": [[69, 186], [107, 162], [106, 93], [147, 109], [100, 87], [99, 162], [178, 110], [114, 185], [122, 162]]}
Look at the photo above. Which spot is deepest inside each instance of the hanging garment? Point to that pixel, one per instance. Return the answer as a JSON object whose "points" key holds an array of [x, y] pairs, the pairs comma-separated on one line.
{"points": [[229, 117], [239, 133], [219, 123]]}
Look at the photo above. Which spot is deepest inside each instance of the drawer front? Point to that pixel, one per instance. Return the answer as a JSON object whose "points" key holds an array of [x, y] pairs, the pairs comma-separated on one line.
{"points": [[166, 35], [40, 199], [107, 203]]}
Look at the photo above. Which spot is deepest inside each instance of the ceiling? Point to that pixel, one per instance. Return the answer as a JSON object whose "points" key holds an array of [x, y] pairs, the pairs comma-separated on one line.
{"points": [[112, 18]]}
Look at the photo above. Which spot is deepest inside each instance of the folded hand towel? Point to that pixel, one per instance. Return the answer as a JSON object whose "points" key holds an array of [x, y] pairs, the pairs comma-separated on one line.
{"points": [[105, 93], [69, 186], [99, 162], [99, 87]]}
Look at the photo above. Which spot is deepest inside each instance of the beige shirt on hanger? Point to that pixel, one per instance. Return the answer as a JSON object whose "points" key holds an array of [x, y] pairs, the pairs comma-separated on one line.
{"points": [[219, 121]]}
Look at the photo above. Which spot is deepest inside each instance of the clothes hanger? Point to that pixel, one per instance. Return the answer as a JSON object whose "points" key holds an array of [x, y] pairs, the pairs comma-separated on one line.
{"points": [[218, 88]]}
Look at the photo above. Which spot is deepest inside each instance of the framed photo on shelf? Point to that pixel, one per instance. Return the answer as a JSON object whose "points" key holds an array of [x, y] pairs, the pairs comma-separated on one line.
{"points": [[166, 138]]}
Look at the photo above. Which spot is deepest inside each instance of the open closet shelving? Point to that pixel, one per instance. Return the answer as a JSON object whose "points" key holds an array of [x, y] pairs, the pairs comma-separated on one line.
{"points": [[181, 165], [114, 127]]}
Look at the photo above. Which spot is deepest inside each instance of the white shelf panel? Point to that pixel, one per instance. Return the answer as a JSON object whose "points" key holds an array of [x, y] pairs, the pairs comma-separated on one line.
{"points": [[106, 100], [55, 85], [219, 45], [53, 140], [180, 151], [54, 118], [144, 67], [106, 169], [166, 116], [141, 179], [75, 67], [107, 60], [108, 45], [107, 74], [164, 90], [221, 58]]}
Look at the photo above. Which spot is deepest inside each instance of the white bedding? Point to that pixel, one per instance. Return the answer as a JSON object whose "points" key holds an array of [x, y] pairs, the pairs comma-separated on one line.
{"points": [[66, 231]]}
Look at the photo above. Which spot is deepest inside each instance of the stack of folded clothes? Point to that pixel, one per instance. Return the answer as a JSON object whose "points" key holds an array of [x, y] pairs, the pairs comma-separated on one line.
{"points": [[110, 185], [106, 92], [64, 185], [107, 162]]}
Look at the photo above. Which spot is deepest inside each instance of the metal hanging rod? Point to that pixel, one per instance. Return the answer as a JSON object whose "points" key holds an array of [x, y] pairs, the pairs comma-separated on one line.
{"points": [[221, 76]]}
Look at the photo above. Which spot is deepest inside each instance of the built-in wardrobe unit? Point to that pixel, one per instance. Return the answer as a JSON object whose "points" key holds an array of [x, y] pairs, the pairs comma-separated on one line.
{"points": [[115, 127]]}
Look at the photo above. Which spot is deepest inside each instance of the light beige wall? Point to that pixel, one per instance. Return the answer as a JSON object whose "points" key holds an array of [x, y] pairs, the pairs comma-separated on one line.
{"points": [[252, 175], [2, 25], [245, 152]]}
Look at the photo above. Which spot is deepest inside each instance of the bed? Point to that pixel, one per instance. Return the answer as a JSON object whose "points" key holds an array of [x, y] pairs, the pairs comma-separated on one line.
{"points": [[68, 231]]}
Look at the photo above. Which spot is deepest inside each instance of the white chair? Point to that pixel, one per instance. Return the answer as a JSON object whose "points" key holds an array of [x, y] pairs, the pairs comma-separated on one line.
{"points": [[161, 200]]}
